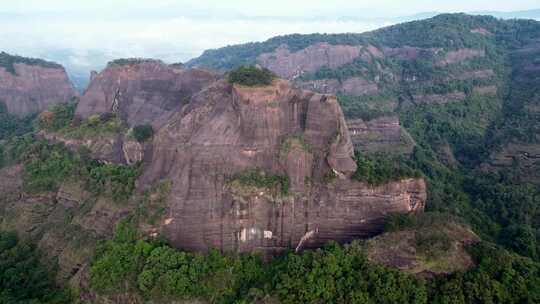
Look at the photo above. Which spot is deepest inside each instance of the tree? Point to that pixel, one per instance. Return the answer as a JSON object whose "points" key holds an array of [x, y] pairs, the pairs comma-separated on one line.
{"points": [[143, 132]]}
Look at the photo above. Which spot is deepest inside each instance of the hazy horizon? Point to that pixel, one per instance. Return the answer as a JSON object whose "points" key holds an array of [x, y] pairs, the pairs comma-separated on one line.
{"points": [[85, 35]]}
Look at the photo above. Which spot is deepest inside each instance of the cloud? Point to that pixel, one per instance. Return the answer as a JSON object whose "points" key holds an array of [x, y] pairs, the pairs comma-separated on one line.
{"points": [[179, 39]]}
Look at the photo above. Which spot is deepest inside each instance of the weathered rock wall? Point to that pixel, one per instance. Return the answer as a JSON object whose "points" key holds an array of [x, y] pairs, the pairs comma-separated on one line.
{"points": [[32, 88], [147, 92], [282, 131]]}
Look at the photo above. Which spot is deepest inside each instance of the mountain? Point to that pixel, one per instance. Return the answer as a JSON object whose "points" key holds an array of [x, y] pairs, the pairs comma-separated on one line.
{"points": [[411, 147], [232, 142], [455, 96], [145, 91], [526, 14], [29, 86], [404, 69]]}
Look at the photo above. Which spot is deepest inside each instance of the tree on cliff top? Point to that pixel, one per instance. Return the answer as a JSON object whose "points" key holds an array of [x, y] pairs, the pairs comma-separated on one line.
{"points": [[251, 76]]}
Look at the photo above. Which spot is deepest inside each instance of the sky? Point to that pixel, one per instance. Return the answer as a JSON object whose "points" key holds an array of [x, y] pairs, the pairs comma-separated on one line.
{"points": [[85, 34]]}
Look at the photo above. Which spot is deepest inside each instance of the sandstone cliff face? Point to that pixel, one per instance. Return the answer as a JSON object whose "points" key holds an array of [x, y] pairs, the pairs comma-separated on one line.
{"points": [[32, 88], [382, 134], [142, 92], [290, 65], [279, 130], [354, 86]]}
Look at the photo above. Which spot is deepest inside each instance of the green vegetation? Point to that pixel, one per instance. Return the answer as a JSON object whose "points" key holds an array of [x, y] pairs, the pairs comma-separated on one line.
{"points": [[95, 126], [143, 132], [153, 204], [251, 76], [379, 168], [259, 179], [231, 57], [116, 181], [449, 31], [367, 107], [47, 166], [334, 274], [295, 142], [11, 125], [23, 278], [61, 119], [58, 117], [132, 61], [8, 62]]}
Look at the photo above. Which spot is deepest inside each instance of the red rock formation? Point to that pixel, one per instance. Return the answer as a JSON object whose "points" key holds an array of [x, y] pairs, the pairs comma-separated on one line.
{"points": [[382, 134], [145, 91], [280, 130], [457, 56], [354, 86], [32, 88], [290, 65]]}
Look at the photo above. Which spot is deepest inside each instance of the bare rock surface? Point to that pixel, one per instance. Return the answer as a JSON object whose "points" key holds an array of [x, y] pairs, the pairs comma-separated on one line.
{"points": [[32, 88], [290, 65], [142, 92], [407, 251], [460, 55], [281, 131], [382, 134], [354, 86], [439, 98]]}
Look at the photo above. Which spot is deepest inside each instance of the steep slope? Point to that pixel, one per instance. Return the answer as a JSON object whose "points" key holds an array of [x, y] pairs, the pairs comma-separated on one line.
{"points": [[239, 169], [445, 59], [264, 169], [455, 96], [142, 91], [29, 86]]}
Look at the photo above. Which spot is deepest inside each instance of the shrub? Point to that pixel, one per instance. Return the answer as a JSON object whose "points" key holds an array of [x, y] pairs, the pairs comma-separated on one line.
{"points": [[334, 274], [58, 117], [47, 166], [259, 179], [143, 132], [378, 169], [251, 76], [11, 125], [23, 278]]}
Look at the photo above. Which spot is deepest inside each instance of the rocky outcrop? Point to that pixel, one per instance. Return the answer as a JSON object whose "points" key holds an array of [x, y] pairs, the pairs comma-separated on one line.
{"points": [[279, 130], [142, 91], [382, 134], [438, 98], [438, 249], [29, 86], [290, 65], [460, 55], [410, 52], [525, 156], [112, 148], [478, 74], [354, 86], [485, 90]]}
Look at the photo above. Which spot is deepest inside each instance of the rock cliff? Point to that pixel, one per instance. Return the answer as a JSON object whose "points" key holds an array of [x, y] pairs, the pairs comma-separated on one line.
{"points": [[223, 152], [142, 91], [29, 86]]}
